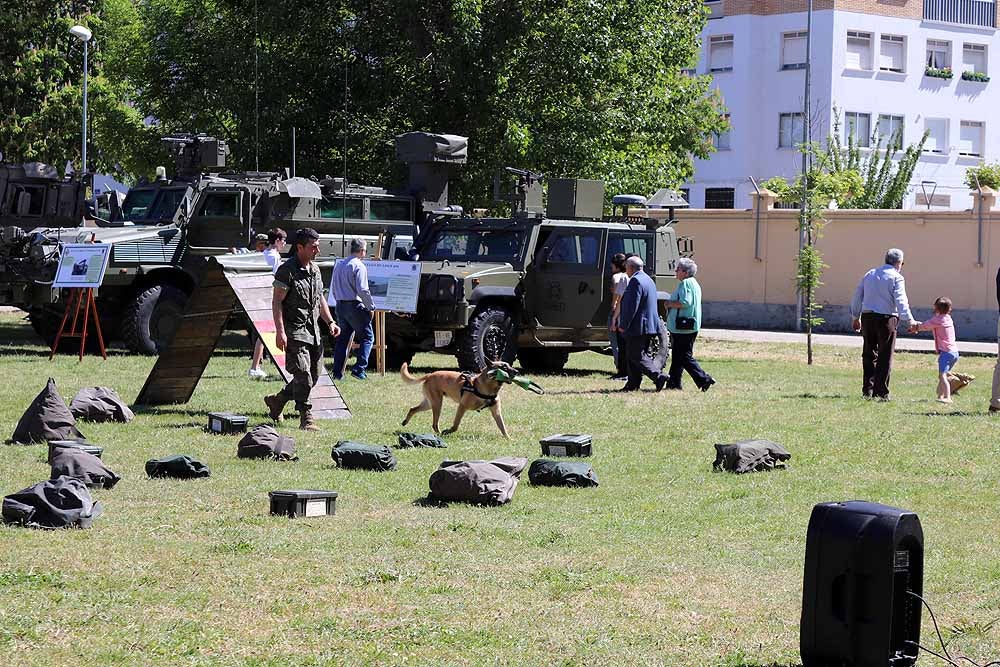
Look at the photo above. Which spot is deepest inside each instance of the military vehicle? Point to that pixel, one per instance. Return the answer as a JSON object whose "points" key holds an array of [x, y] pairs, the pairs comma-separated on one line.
{"points": [[33, 195], [165, 230], [533, 286]]}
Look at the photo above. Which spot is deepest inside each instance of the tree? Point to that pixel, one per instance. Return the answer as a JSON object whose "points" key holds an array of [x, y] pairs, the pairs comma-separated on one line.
{"points": [[572, 88], [41, 77]]}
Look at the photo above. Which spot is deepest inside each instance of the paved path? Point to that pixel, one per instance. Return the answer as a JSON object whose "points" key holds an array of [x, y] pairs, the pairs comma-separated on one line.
{"points": [[924, 344]]}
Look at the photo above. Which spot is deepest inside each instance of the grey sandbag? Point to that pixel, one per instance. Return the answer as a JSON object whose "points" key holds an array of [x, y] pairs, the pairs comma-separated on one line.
{"points": [[407, 440], [100, 404], [84, 466], [750, 456], [177, 466], [359, 456], [482, 482], [264, 442], [47, 418], [56, 503], [546, 472]]}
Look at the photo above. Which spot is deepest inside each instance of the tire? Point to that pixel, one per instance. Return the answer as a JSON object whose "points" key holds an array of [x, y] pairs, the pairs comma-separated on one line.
{"points": [[396, 355], [150, 321], [45, 322], [542, 360], [490, 336]]}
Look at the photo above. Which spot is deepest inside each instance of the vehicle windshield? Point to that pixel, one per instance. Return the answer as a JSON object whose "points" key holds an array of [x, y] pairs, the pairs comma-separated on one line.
{"points": [[137, 203], [475, 245], [167, 203]]}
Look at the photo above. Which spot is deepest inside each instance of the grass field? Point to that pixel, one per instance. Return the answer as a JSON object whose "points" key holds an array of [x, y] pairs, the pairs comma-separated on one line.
{"points": [[666, 563]]}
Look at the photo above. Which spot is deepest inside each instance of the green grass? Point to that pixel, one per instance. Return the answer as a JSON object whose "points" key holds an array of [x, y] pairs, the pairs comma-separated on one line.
{"points": [[666, 563]]}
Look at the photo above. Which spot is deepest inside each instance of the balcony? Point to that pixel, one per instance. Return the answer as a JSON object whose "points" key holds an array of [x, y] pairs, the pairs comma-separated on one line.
{"points": [[982, 13]]}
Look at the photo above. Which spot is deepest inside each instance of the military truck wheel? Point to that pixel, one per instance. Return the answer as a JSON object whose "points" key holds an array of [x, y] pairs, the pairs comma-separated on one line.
{"points": [[397, 355], [46, 321], [151, 319], [542, 360], [490, 336]]}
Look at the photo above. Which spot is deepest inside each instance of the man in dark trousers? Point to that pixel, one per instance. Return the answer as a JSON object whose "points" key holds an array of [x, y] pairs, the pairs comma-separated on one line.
{"points": [[640, 322], [878, 306], [298, 304]]}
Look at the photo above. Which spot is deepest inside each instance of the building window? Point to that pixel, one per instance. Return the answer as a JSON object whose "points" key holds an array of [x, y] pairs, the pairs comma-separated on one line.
{"points": [[859, 128], [686, 193], [793, 50], [790, 130], [892, 53], [859, 50], [721, 139], [938, 53], [937, 137], [970, 138], [689, 71], [714, 9], [890, 131], [720, 198], [974, 58], [720, 53]]}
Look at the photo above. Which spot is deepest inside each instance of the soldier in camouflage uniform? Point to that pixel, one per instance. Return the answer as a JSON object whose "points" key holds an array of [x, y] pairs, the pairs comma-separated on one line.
{"points": [[298, 305]]}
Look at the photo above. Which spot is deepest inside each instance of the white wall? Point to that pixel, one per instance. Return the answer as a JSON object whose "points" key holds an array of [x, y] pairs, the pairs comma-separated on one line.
{"points": [[757, 91]]}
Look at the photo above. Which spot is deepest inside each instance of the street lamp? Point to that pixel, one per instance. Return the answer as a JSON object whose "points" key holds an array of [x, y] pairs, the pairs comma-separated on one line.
{"points": [[83, 34]]}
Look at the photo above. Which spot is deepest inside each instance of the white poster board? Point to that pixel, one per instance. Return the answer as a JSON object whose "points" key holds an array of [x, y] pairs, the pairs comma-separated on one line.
{"points": [[394, 285], [82, 264]]}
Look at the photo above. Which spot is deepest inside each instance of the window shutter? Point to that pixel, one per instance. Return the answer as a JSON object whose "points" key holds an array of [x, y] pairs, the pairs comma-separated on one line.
{"points": [[891, 56], [721, 56], [974, 59], [795, 50], [936, 139], [970, 138]]}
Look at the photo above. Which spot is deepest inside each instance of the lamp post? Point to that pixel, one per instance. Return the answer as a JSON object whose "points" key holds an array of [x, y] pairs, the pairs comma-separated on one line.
{"points": [[83, 34]]}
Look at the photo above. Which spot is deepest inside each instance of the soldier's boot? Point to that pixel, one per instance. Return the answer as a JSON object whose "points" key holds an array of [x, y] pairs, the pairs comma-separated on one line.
{"points": [[275, 405], [306, 421]]}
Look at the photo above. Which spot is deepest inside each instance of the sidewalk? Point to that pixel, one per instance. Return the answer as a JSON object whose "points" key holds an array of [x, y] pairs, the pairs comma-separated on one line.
{"points": [[842, 340]]}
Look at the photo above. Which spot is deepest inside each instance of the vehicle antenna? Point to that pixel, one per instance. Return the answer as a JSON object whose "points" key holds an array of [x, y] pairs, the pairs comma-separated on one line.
{"points": [[343, 185], [256, 92]]}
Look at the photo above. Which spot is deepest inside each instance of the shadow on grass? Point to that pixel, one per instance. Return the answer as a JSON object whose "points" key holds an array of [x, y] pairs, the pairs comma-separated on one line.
{"points": [[431, 501], [595, 392], [814, 396]]}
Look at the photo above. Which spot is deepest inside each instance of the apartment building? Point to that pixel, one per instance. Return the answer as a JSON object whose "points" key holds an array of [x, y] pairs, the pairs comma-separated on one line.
{"points": [[912, 65]]}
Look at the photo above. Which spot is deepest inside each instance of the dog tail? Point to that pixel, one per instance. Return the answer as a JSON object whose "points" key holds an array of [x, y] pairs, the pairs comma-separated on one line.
{"points": [[404, 372]]}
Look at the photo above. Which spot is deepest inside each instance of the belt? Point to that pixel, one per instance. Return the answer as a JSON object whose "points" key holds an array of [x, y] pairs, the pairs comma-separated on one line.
{"points": [[348, 301]]}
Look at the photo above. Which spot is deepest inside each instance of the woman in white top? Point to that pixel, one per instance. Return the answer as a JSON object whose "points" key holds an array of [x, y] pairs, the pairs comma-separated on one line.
{"points": [[276, 239], [619, 279]]}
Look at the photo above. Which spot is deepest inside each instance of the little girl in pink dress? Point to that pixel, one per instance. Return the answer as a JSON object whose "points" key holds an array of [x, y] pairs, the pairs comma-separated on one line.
{"points": [[944, 343]]}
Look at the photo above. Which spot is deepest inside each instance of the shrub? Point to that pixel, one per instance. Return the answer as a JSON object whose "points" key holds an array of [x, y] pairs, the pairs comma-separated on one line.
{"points": [[988, 174]]}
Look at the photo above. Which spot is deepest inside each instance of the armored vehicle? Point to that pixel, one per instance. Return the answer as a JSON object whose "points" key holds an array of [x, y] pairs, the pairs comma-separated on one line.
{"points": [[33, 195], [533, 286], [167, 228]]}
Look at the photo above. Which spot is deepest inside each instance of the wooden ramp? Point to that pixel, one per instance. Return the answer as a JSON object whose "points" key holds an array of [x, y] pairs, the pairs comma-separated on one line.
{"points": [[179, 368]]}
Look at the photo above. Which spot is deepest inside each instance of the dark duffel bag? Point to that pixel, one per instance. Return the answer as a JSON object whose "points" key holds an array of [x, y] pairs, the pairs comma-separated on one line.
{"points": [[408, 440], [264, 442], [47, 418], [81, 465], [750, 456], [546, 472], [177, 466], [56, 503], [480, 482], [100, 404], [358, 456]]}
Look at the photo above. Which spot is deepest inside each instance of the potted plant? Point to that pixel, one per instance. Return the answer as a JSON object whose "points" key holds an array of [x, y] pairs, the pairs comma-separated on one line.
{"points": [[982, 77], [939, 72]]}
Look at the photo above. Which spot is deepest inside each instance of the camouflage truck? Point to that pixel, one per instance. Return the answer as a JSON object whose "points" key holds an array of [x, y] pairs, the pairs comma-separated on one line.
{"points": [[534, 286], [166, 229]]}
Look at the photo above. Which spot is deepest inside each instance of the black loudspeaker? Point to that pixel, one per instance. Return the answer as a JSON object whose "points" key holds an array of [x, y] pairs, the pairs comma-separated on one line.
{"points": [[862, 560]]}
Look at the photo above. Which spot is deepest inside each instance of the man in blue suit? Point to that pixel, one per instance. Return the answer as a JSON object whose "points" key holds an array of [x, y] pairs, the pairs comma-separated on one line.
{"points": [[640, 322]]}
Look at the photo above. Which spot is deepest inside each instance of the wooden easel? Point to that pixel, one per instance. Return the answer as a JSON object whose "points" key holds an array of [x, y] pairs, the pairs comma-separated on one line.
{"points": [[79, 298]]}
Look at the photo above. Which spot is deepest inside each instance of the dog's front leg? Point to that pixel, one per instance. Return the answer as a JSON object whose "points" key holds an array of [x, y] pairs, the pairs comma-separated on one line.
{"points": [[498, 418], [459, 413]]}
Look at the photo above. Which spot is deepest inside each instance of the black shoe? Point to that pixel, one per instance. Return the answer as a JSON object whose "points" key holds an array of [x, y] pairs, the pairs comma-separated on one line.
{"points": [[708, 384], [660, 381]]}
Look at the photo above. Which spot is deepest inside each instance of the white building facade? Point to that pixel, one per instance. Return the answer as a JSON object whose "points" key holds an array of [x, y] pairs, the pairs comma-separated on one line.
{"points": [[875, 64]]}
